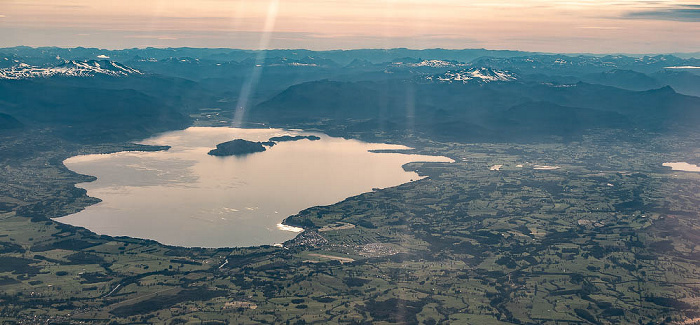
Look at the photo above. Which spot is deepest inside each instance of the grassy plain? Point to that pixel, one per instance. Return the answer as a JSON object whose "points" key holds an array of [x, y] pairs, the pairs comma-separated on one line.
{"points": [[609, 237]]}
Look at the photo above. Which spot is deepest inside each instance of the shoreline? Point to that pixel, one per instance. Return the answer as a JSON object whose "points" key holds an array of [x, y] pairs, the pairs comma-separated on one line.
{"points": [[282, 225]]}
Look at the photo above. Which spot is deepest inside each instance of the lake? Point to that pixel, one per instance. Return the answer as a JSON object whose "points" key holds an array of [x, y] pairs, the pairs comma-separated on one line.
{"points": [[682, 166], [185, 197]]}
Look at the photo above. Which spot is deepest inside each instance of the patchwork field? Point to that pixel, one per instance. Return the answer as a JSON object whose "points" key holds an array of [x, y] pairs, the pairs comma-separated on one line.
{"points": [[608, 237]]}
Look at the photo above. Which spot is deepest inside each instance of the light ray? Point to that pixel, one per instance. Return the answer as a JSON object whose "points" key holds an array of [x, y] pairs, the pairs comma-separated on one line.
{"points": [[248, 88]]}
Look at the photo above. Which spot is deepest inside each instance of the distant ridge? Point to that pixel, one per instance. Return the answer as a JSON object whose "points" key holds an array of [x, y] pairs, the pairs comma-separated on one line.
{"points": [[69, 68], [479, 75]]}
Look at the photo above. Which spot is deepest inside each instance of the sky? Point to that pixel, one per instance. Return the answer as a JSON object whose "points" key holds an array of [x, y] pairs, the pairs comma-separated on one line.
{"points": [[583, 26]]}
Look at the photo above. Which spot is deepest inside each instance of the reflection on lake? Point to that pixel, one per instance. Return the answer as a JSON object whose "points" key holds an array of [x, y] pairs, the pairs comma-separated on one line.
{"points": [[185, 197]]}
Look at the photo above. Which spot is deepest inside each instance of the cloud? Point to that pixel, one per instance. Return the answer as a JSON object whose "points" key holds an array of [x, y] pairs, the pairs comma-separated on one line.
{"points": [[162, 37], [69, 6], [600, 27], [688, 13]]}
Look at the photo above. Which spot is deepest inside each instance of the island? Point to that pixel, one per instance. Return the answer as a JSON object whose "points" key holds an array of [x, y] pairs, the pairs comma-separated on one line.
{"points": [[294, 138], [239, 147]]}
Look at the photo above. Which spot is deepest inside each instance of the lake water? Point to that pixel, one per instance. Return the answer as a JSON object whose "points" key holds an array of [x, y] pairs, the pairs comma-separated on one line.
{"points": [[682, 166], [185, 197]]}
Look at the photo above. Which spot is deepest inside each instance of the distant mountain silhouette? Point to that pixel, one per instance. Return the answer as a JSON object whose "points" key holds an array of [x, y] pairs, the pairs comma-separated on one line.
{"points": [[85, 94], [625, 79], [88, 114], [494, 110]]}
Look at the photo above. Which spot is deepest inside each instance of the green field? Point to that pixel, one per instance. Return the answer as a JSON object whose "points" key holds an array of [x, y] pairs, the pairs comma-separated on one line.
{"points": [[609, 237]]}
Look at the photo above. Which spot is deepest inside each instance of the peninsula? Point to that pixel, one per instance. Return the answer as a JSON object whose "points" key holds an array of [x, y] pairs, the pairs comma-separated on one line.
{"points": [[294, 138]]}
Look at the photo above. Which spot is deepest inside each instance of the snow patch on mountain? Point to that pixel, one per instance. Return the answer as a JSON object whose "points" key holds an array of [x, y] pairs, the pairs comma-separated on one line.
{"points": [[480, 75], [429, 63], [69, 68]]}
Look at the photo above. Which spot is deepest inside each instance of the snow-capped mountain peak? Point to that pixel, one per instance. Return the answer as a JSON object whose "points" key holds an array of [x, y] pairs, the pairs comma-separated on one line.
{"points": [[428, 63], [478, 75], [69, 68]]}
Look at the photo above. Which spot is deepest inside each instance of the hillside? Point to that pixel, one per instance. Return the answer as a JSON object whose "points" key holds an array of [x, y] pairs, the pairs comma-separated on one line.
{"points": [[88, 114], [500, 110]]}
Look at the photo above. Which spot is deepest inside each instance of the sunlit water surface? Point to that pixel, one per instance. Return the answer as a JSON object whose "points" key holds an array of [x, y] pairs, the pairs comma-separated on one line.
{"points": [[185, 197], [683, 166]]}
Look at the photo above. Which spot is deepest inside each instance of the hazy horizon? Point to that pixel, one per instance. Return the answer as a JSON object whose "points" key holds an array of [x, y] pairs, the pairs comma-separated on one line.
{"points": [[634, 26], [354, 49]]}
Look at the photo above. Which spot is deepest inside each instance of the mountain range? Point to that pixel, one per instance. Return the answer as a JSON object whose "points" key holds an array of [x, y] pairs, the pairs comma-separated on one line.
{"points": [[464, 95], [70, 68]]}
